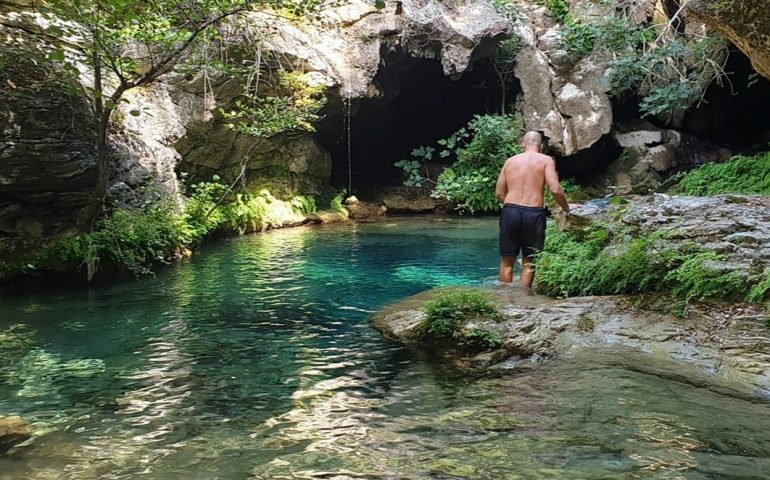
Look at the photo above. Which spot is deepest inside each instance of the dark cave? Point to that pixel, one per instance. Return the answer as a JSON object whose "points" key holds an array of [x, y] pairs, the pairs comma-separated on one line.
{"points": [[734, 113], [417, 106]]}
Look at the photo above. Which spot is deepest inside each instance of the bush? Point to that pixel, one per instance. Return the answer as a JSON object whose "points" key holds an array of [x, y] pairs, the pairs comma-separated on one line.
{"points": [[480, 151], [446, 314], [134, 240], [738, 175]]}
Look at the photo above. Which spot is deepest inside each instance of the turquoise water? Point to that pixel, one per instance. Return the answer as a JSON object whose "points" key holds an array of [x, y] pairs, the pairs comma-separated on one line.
{"points": [[254, 360]]}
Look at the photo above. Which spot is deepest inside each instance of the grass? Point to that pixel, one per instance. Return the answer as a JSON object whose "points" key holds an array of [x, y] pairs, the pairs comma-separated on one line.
{"points": [[747, 175]]}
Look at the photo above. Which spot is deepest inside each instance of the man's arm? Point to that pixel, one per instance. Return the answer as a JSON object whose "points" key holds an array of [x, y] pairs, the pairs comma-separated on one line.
{"points": [[501, 190], [552, 180]]}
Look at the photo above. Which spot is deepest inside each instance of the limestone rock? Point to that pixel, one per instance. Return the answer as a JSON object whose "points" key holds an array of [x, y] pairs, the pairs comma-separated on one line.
{"points": [[537, 328], [13, 430], [735, 225], [365, 210], [746, 23], [409, 200], [565, 99], [651, 152]]}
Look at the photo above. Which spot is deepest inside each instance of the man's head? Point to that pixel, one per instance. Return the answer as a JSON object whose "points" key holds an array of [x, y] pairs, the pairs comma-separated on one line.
{"points": [[532, 141]]}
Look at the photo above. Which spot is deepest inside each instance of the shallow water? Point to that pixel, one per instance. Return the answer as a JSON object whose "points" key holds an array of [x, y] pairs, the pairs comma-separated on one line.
{"points": [[254, 360]]}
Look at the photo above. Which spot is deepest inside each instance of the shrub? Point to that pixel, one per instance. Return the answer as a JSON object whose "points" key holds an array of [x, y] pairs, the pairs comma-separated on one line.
{"points": [[738, 175], [446, 314], [480, 151]]}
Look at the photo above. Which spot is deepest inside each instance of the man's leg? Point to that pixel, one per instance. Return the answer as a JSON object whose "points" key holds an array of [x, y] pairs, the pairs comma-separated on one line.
{"points": [[527, 272], [506, 268]]}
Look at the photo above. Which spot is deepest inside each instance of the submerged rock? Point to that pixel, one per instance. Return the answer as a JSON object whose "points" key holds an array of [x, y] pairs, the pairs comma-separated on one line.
{"points": [[533, 328], [13, 430]]}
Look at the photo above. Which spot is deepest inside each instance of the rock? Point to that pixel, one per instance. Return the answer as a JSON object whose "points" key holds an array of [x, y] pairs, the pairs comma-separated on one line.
{"points": [[13, 430], [651, 152], [364, 210], [351, 200], [736, 225], [564, 98], [746, 23], [409, 200], [536, 328]]}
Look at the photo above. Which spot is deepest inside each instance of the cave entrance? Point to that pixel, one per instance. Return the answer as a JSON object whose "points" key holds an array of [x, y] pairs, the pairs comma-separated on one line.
{"points": [[417, 106], [734, 113]]}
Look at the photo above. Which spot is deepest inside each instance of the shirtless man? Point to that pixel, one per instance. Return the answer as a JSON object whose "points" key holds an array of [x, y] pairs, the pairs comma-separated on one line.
{"points": [[522, 222]]}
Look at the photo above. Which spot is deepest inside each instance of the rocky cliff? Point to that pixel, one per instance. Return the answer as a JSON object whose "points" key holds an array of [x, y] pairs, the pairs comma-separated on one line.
{"points": [[745, 22]]}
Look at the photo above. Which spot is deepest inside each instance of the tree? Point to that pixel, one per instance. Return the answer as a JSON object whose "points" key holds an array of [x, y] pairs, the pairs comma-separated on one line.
{"points": [[125, 44]]}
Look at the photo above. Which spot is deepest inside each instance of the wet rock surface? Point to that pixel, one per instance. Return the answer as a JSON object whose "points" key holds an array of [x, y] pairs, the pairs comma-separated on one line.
{"points": [[13, 430], [731, 346]]}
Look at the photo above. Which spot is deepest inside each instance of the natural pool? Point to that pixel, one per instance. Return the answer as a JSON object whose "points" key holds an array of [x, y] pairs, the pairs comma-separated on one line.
{"points": [[254, 360]]}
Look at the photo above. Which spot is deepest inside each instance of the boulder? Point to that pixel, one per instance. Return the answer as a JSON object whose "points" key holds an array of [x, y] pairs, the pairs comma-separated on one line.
{"points": [[365, 210], [650, 152], [565, 98], [13, 430], [532, 329], [746, 23], [737, 226]]}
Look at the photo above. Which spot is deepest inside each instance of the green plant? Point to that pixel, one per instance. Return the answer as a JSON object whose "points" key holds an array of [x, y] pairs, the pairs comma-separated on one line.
{"points": [[446, 314], [578, 37], [482, 339], [267, 116], [698, 277], [557, 9], [413, 168], [599, 260], [480, 150], [738, 175]]}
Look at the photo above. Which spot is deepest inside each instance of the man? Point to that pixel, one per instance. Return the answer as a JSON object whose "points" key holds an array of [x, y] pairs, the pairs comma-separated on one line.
{"points": [[522, 222]]}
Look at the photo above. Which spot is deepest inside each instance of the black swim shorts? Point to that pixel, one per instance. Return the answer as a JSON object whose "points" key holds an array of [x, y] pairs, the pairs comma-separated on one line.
{"points": [[522, 229]]}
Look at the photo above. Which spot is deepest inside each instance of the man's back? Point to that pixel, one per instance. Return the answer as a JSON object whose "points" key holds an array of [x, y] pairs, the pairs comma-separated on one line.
{"points": [[525, 178]]}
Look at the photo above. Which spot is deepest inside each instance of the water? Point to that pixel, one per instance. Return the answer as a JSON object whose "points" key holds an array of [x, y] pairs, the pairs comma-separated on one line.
{"points": [[254, 360]]}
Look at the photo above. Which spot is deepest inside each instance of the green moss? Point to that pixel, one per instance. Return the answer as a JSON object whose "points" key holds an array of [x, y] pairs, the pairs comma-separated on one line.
{"points": [[585, 324]]}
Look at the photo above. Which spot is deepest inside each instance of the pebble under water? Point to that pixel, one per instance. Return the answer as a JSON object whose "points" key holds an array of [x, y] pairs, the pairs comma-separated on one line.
{"points": [[254, 360]]}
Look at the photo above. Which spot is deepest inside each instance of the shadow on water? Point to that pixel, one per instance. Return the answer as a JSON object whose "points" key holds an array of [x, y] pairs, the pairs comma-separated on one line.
{"points": [[255, 360]]}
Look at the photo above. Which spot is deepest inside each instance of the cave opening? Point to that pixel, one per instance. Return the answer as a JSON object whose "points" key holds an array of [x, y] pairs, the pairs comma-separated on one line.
{"points": [[735, 112], [416, 106]]}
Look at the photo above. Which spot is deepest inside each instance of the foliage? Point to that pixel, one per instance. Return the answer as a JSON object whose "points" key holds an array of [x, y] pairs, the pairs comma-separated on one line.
{"points": [[482, 339], [698, 277], [413, 168], [480, 150], [131, 239], [761, 289], [579, 38], [130, 43], [134, 240], [738, 175], [601, 261], [446, 315], [266, 116], [557, 9], [668, 71]]}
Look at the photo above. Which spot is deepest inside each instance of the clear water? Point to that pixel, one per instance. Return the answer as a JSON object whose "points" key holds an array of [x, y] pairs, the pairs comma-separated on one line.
{"points": [[254, 360]]}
